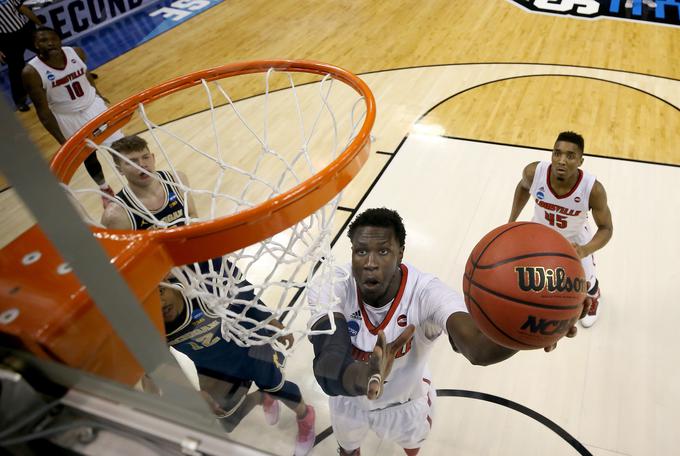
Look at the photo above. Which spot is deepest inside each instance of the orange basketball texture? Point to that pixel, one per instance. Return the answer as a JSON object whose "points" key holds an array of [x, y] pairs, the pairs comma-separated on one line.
{"points": [[524, 285]]}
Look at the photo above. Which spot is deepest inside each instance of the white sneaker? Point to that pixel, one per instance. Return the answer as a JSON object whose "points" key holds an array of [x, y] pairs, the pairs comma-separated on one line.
{"points": [[649, 3], [629, 4], [306, 433], [591, 317], [270, 406]]}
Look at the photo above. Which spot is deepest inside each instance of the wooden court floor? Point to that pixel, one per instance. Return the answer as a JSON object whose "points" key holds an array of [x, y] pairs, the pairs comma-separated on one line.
{"points": [[495, 84]]}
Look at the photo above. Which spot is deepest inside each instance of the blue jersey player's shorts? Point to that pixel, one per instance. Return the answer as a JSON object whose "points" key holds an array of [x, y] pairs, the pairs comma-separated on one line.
{"points": [[202, 341], [259, 364]]}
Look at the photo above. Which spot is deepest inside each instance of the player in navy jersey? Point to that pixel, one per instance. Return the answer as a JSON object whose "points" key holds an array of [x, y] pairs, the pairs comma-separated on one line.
{"points": [[388, 315], [227, 370], [563, 195], [151, 199]]}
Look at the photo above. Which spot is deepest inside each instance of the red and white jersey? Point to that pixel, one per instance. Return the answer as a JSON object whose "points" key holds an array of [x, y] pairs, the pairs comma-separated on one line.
{"points": [[567, 214], [67, 89], [423, 301]]}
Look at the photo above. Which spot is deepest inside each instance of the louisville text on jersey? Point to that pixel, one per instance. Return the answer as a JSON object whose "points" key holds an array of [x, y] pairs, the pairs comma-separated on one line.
{"points": [[556, 208], [68, 77]]}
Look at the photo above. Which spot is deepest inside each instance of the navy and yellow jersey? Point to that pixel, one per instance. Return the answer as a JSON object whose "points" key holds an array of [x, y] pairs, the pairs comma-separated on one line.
{"points": [[197, 333], [171, 212]]}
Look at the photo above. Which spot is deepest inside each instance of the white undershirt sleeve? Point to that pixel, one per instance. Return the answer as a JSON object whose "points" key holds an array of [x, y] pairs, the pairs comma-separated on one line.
{"points": [[322, 295], [438, 302]]}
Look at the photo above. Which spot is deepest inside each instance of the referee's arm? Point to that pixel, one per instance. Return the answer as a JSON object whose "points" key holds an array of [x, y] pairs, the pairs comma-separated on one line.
{"points": [[28, 12]]}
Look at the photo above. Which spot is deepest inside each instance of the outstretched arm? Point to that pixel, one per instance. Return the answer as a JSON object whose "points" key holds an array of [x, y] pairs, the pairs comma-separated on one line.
{"points": [[603, 219], [339, 374], [34, 88], [522, 191], [468, 340]]}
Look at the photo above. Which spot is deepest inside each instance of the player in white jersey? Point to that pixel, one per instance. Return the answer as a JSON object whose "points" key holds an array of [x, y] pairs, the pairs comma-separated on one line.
{"points": [[373, 384], [64, 94], [563, 195]]}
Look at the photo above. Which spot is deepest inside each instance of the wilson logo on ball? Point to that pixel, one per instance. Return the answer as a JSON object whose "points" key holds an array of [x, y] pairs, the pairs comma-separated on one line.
{"points": [[537, 278], [547, 327]]}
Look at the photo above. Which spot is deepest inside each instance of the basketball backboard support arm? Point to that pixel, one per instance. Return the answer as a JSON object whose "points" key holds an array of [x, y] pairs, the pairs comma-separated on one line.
{"points": [[33, 181]]}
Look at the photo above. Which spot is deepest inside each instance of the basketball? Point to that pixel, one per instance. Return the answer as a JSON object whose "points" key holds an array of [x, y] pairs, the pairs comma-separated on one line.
{"points": [[524, 285]]}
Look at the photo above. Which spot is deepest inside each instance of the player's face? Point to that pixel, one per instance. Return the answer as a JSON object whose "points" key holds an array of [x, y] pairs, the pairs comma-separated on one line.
{"points": [[143, 159], [376, 256], [566, 158], [171, 303], [47, 43]]}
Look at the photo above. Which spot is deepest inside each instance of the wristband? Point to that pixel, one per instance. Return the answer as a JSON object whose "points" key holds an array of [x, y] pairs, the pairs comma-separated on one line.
{"points": [[374, 378]]}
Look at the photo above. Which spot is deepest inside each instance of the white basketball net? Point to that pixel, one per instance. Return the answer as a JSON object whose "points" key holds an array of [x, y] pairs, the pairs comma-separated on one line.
{"points": [[242, 156]]}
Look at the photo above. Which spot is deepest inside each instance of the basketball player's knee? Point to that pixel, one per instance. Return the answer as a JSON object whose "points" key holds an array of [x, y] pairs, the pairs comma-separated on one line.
{"points": [[290, 392]]}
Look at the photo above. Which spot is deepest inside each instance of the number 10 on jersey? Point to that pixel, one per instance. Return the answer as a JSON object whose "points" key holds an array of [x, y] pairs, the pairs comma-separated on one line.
{"points": [[75, 90]]}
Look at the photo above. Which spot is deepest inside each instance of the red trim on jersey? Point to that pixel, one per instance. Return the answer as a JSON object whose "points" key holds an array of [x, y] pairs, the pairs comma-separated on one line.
{"points": [[359, 354], [573, 189], [393, 308], [65, 61]]}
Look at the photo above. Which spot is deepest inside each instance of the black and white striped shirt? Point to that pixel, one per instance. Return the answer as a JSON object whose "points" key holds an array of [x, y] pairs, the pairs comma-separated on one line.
{"points": [[11, 20]]}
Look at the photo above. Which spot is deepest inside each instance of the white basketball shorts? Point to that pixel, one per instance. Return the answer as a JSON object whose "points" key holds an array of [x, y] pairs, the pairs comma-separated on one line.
{"points": [[69, 123], [406, 424]]}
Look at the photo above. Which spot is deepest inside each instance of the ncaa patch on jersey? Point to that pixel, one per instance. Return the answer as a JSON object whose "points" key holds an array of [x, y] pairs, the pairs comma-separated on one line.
{"points": [[577, 199], [353, 328], [540, 194], [401, 320]]}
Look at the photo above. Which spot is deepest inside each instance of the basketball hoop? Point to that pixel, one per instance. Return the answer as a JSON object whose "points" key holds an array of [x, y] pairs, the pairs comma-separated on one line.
{"points": [[285, 226]]}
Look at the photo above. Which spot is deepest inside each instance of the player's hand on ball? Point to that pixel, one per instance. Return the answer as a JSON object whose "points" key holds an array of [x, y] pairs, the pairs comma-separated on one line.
{"points": [[382, 358], [573, 330]]}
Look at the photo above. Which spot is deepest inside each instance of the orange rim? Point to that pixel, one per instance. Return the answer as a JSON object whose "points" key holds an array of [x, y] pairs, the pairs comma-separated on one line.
{"points": [[200, 241]]}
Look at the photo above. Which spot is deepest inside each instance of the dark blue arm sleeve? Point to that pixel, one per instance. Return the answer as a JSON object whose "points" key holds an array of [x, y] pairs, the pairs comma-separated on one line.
{"points": [[332, 355]]}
